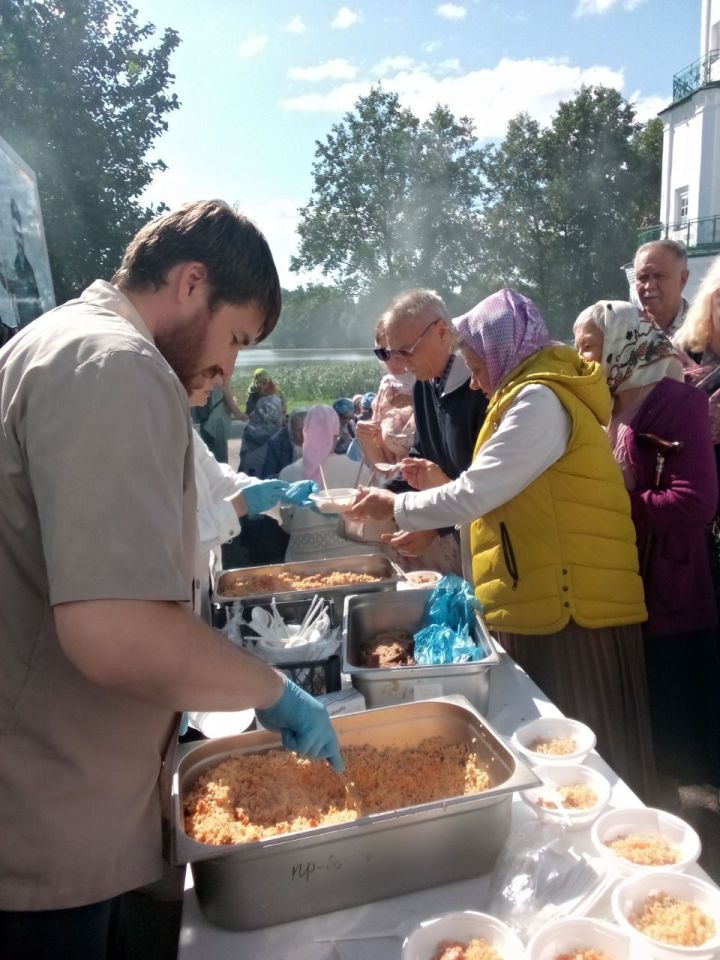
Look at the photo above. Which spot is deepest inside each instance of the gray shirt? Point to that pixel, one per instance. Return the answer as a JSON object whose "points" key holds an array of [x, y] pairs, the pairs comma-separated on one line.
{"points": [[97, 501]]}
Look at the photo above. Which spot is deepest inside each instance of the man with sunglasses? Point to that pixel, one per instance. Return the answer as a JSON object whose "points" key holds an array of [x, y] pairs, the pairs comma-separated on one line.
{"points": [[448, 414]]}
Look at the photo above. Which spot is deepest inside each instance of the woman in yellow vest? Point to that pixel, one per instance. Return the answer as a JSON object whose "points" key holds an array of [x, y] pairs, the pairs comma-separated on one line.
{"points": [[545, 518]]}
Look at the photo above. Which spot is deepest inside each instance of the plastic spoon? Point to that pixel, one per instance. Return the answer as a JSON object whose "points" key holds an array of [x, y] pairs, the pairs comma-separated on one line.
{"points": [[277, 621], [308, 613], [261, 623], [386, 467], [553, 795]]}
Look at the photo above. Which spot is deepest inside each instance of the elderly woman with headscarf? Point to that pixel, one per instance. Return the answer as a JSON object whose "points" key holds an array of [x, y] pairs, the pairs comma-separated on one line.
{"points": [[313, 536], [266, 419], [261, 385], [551, 543], [660, 433]]}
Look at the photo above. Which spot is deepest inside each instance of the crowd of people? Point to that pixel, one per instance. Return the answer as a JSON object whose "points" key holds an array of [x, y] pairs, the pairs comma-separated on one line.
{"points": [[576, 487]]}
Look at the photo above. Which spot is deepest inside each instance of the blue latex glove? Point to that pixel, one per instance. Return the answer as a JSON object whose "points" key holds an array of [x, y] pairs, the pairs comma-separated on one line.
{"points": [[259, 497], [298, 493], [304, 724]]}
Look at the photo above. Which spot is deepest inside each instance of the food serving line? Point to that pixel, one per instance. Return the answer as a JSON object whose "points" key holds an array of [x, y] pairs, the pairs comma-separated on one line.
{"points": [[315, 871]]}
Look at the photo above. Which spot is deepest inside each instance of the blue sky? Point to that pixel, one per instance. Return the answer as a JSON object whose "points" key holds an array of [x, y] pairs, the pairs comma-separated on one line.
{"points": [[261, 80]]}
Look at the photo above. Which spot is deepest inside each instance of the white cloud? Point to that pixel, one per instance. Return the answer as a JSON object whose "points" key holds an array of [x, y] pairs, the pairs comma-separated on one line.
{"points": [[449, 66], [344, 18], [392, 65], [593, 8], [295, 25], [330, 70], [431, 46], [451, 11], [252, 44], [648, 107], [491, 97], [336, 101]]}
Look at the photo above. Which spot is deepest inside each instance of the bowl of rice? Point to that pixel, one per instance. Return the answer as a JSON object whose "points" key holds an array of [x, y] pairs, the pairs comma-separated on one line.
{"points": [[463, 935], [551, 740], [334, 500], [579, 938], [420, 580], [570, 793], [675, 915], [638, 839]]}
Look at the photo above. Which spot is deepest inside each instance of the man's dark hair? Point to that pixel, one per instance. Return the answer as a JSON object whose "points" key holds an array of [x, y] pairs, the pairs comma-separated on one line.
{"points": [[235, 253]]}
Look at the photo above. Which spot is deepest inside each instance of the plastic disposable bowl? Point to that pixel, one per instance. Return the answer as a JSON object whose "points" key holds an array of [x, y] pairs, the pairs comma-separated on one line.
{"points": [[646, 822], [632, 892], [559, 775], [334, 500], [551, 728], [461, 927], [420, 580], [275, 651], [574, 934]]}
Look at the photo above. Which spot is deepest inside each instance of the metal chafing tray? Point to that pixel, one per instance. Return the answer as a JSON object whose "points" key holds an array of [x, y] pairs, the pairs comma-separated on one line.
{"points": [[375, 564], [367, 615], [245, 886]]}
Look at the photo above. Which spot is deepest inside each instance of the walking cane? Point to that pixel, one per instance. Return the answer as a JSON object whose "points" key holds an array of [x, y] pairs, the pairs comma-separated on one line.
{"points": [[663, 449]]}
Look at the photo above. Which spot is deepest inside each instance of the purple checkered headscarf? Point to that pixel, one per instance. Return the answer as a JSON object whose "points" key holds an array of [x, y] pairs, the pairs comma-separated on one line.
{"points": [[504, 329]]}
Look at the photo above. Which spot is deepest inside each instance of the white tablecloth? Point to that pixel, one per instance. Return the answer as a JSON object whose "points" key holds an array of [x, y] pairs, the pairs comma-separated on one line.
{"points": [[514, 700]]}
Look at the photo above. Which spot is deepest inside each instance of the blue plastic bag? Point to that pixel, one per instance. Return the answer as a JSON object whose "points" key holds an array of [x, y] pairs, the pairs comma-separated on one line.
{"points": [[446, 633]]}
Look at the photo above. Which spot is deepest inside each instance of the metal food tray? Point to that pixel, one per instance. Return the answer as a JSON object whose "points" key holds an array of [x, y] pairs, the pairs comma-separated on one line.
{"points": [[375, 564], [367, 615], [290, 877]]}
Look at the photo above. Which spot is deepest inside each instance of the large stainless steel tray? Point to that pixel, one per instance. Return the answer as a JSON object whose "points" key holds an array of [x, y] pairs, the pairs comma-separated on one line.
{"points": [[367, 615], [374, 564], [300, 875]]}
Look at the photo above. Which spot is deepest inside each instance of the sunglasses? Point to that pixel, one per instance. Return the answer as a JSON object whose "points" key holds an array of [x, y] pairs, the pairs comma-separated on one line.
{"points": [[385, 353]]}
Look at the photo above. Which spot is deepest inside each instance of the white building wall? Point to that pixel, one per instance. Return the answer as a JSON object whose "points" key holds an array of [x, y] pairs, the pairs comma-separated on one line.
{"points": [[709, 27], [691, 156], [682, 140]]}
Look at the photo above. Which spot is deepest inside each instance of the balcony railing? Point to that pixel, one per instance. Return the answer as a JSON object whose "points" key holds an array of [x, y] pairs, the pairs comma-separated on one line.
{"points": [[699, 236], [697, 75]]}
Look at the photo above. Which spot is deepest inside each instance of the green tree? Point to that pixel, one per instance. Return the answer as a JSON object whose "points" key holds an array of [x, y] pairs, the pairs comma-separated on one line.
{"points": [[563, 204], [517, 220], [394, 201], [83, 98]]}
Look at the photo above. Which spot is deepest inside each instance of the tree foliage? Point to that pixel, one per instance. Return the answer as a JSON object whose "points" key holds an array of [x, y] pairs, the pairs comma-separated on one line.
{"points": [[395, 201], [563, 204], [83, 97], [550, 210]]}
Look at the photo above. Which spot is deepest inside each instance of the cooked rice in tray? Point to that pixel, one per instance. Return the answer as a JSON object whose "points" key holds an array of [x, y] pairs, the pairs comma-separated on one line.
{"points": [[258, 795], [257, 584]]}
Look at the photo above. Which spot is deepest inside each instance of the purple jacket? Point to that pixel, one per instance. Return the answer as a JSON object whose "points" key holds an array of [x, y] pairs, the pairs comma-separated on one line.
{"points": [[679, 591]]}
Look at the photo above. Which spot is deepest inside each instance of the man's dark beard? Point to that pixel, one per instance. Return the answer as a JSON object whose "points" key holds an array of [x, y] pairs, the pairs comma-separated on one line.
{"points": [[182, 347]]}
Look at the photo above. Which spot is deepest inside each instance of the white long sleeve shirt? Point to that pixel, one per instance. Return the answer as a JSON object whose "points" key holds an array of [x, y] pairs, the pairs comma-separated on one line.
{"points": [[533, 434], [217, 521]]}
